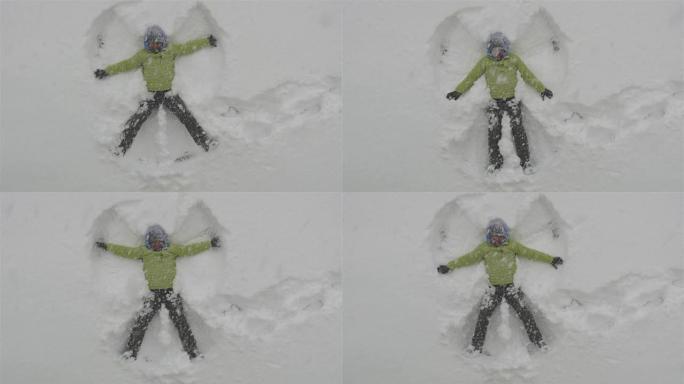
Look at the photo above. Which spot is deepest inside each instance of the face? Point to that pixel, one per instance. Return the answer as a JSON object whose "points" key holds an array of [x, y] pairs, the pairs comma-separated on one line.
{"points": [[497, 240], [498, 53], [156, 46], [157, 245]]}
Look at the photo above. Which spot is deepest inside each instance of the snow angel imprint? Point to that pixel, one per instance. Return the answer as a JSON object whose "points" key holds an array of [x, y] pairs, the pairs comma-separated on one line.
{"points": [[499, 252], [159, 264], [157, 61], [500, 67]]}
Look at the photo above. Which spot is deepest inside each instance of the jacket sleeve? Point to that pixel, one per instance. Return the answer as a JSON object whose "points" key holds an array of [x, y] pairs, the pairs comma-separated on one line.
{"points": [[126, 65], [474, 74], [532, 254], [127, 252], [190, 47], [528, 76], [190, 249], [470, 258]]}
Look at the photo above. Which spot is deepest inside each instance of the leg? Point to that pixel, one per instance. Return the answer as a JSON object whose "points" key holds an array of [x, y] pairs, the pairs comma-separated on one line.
{"points": [[174, 303], [516, 299], [136, 121], [490, 301], [514, 109], [176, 105], [494, 114], [151, 306]]}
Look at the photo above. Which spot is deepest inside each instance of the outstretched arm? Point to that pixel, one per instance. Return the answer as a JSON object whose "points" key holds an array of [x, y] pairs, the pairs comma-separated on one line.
{"points": [[193, 45], [535, 255], [529, 78], [474, 74], [190, 249], [122, 66], [470, 258], [122, 250]]}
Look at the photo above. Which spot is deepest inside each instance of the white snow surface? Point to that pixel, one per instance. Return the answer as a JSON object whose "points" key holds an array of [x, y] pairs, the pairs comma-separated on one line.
{"points": [[265, 307], [613, 313], [614, 123], [270, 94]]}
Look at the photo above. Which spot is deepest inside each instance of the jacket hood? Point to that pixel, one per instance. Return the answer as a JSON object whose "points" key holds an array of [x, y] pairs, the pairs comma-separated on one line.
{"points": [[497, 227], [155, 34], [156, 232], [498, 39]]}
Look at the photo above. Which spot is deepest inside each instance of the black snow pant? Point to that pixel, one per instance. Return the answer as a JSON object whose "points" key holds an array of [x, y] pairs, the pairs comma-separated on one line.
{"points": [[516, 299], [151, 305], [174, 104], [495, 111]]}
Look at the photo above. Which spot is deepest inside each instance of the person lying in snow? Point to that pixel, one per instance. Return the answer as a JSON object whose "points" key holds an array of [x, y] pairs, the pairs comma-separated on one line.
{"points": [[159, 264], [499, 255], [157, 61], [500, 67]]}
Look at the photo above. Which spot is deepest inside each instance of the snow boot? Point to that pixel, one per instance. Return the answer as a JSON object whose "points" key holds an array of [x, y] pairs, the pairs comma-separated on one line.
{"points": [[529, 169]]}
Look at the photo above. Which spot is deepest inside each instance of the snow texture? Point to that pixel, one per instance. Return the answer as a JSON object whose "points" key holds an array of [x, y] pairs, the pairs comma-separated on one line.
{"points": [[265, 307], [613, 313], [615, 70], [272, 99]]}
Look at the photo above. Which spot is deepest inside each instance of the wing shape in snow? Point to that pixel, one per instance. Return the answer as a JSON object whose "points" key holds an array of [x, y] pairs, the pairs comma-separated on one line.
{"points": [[540, 224], [543, 47], [111, 38], [110, 226], [197, 23], [205, 68], [453, 232], [469, 148], [544, 146], [196, 223], [454, 48], [540, 33]]}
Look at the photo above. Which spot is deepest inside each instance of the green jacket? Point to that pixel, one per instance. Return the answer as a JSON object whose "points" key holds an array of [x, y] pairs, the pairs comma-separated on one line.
{"points": [[501, 76], [159, 267], [158, 68], [500, 262]]}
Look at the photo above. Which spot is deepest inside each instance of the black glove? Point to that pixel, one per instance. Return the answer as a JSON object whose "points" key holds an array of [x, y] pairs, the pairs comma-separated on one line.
{"points": [[443, 269], [546, 93], [101, 73], [212, 40], [216, 242], [100, 244], [453, 95], [556, 262]]}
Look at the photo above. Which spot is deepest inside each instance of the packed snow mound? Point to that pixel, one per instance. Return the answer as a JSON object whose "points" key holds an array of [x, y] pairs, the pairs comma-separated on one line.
{"points": [[252, 132], [285, 108], [288, 303]]}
